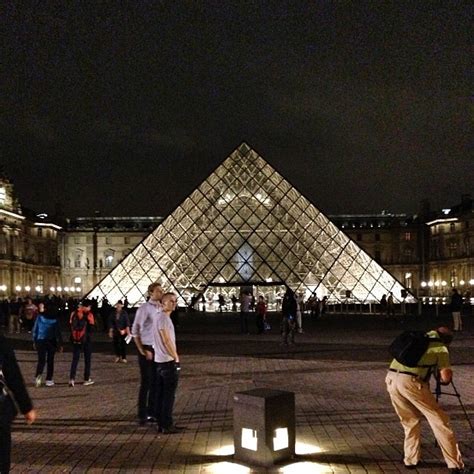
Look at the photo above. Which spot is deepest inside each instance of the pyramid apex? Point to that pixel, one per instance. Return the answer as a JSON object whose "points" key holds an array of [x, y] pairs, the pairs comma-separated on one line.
{"points": [[244, 148]]}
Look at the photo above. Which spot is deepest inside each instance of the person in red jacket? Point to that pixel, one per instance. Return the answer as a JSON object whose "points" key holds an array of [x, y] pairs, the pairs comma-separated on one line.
{"points": [[82, 321]]}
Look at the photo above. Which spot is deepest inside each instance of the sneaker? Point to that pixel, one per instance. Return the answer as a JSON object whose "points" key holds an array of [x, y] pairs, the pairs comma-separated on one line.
{"points": [[124, 361], [89, 382], [117, 360], [38, 381], [49, 383], [71, 383]]}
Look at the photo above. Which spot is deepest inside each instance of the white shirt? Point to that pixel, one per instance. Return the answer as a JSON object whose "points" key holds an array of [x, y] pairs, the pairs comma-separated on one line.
{"points": [[163, 321], [143, 322]]}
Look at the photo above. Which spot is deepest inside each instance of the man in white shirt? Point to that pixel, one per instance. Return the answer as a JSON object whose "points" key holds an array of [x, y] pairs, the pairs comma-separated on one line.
{"points": [[142, 331], [167, 365]]}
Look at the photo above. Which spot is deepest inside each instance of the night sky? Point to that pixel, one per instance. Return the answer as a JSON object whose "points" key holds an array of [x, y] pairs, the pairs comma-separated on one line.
{"points": [[126, 107]]}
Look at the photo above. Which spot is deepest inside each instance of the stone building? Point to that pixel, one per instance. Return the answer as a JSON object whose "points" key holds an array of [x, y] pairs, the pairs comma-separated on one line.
{"points": [[451, 251], [428, 253], [29, 262], [91, 246]]}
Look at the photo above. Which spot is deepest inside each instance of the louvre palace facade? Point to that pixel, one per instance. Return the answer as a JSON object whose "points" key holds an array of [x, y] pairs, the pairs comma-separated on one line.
{"points": [[245, 226]]}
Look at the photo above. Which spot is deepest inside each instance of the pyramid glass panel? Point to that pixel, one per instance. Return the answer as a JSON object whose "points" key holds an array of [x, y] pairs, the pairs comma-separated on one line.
{"points": [[247, 225]]}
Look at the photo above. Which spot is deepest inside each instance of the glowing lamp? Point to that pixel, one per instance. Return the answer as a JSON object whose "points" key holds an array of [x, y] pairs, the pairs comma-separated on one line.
{"points": [[264, 426], [27, 288]]}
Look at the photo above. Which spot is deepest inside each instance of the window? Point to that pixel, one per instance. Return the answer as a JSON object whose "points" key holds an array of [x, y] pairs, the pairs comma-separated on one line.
{"points": [[359, 237], [77, 259], [40, 232], [407, 254], [39, 283], [452, 227], [108, 240], [126, 240], [377, 237], [77, 240], [109, 256], [452, 249], [40, 256], [407, 236]]}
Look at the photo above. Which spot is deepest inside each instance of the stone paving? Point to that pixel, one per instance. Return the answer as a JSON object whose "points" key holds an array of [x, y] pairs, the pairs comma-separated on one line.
{"points": [[345, 423]]}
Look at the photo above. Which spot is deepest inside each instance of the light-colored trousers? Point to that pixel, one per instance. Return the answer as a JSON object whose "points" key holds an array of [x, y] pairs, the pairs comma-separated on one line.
{"points": [[457, 321], [412, 399], [14, 323]]}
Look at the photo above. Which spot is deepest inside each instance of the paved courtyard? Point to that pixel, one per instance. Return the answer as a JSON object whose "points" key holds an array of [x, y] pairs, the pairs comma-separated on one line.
{"points": [[344, 419]]}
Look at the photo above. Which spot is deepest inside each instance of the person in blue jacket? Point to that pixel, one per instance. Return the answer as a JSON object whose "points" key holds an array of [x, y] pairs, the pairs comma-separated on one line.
{"points": [[47, 341]]}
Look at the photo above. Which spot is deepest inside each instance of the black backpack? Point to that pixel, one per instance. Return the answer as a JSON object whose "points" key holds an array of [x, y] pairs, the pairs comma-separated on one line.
{"points": [[409, 346]]}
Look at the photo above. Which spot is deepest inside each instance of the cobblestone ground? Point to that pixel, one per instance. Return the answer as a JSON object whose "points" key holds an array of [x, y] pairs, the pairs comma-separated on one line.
{"points": [[345, 423]]}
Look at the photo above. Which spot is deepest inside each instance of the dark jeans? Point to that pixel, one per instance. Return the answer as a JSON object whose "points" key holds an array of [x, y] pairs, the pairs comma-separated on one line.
{"points": [[166, 384], [260, 324], [46, 350], [244, 324], [146, 395], [5, 447], [120, 346], [76, 353]]}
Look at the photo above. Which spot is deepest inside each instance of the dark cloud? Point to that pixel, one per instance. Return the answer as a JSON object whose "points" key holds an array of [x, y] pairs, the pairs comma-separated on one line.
{"points": [[126, 107]]}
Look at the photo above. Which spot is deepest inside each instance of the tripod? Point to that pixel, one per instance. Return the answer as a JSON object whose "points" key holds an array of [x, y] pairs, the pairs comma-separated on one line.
{"points": [[438, 392]]}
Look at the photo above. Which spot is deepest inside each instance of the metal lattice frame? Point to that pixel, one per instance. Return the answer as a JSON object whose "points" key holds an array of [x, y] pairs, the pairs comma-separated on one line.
{"points": [[245, 224]]}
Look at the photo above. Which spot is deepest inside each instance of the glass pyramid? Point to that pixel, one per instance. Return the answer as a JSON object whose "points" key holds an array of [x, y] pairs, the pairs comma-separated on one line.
{"points": [[244, 226]]}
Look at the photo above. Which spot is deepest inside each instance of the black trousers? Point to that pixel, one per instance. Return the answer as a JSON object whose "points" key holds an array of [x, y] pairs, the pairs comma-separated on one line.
{"points": [[76, 354], [166, 385], [147, 393], [120, 346], [244, 324], [46, 351], [5, 447]]}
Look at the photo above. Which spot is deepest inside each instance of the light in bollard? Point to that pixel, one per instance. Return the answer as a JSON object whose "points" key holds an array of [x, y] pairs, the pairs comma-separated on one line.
{"points": [[280, 441], [249, 439]]}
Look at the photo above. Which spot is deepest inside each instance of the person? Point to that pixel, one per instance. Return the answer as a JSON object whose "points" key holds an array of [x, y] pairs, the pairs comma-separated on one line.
{"points": [[383, 305], [47, 339], [14, 318], [28, 314], [82, 322], [288, 321], [245, 302], [142, 332], [390, 305], [299, 311], [323, 305], [221, 301], [260, 314], [234, 300], [119, 329], [167, 365], [16, 384], [412, 399], [456, 307]]}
